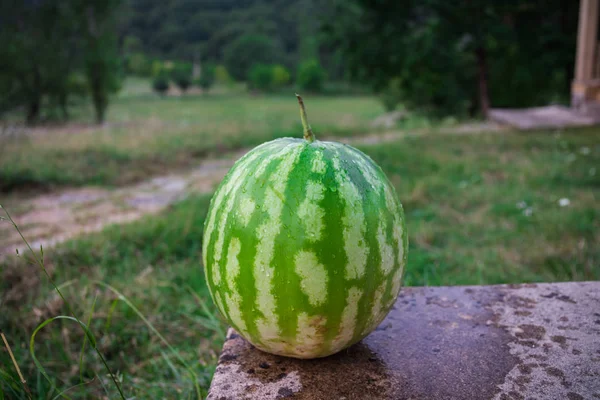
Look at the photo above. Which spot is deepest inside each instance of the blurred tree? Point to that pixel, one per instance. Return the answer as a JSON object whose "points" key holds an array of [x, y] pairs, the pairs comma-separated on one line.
{"points": [[311, 76], [260, 77], [157, 67], [391, 96], [179, 29], [38, 49], [281, 76], [222, 75], [132, 44], [44, 43], [139, 64], [102, 62], [207, 77], [462, 56]]}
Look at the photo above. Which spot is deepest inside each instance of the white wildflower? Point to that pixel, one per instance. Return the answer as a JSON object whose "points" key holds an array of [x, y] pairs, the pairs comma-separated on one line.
{"points": [[528, 211], [584, 150], [521, 205], [564, 202]]}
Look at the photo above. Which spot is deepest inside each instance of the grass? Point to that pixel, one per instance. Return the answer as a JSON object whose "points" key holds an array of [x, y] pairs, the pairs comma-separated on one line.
{"points": [[155, 264], [481, 209], [485, 209], [147, 134]]}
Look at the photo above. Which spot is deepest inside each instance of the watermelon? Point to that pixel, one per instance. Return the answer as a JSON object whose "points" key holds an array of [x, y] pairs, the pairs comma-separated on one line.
{"points": [[304, 246]]}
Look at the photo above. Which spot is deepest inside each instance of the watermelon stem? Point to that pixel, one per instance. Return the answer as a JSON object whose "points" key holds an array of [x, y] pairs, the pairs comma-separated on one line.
{"points": [[308, 133]]}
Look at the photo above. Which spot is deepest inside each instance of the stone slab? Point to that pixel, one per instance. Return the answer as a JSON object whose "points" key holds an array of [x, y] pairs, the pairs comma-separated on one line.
{"points": [[531, 341], [543, 117]]}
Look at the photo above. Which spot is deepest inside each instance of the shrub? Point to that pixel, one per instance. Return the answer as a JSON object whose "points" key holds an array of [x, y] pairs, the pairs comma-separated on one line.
{"points": [[207, 77], [281, 76], [132, 44], [160, 84], [391, 96], [157, 68], [182, 77], [311, 76], [77, 85], [138, 64], [221, 75], [168, 66], [261, 77]]}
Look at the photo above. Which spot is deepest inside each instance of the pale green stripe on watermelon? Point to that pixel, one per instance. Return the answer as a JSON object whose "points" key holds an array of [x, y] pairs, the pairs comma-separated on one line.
{"points": [[233, 265], [330, 249], [353, 222], [396, 280], [310, 213], [236, 177], [318, 165], [389, 234], [313, 277], [304, 247], [232, 181], [233, 298], [229, 183], [367, 167], [225, 188], [308, 336], [277, 154], [219, 304], [264, 268], [394, 205], [372, 204], [349, 318], [385, 249], [375, 313], [247, 207], [229, 189]]}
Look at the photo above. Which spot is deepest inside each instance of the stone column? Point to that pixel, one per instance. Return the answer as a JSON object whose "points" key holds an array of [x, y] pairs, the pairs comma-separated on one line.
{"points": [[586, 49]]}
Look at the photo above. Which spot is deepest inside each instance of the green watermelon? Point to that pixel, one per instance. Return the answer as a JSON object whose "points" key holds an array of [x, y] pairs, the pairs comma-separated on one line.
{"points": [[304, 246]]}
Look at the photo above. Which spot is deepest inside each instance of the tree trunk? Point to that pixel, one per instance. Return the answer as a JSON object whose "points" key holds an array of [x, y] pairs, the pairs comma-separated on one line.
{"points": [[99, 95], [482, 75], [33, 109], [63, 100], [100, 112], [100, 104], [569, 65], [34, 104]]}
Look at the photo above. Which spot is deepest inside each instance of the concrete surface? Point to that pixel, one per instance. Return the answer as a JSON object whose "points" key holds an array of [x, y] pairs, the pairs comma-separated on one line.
{"points": [[543, 117], [478, 342]]}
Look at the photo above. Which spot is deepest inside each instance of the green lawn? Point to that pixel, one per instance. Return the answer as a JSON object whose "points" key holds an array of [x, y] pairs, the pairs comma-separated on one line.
{"points": [[481, 209], [146, 134]]}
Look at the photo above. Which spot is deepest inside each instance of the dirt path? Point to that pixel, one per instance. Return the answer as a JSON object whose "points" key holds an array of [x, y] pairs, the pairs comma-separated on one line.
{"points": [[53, 218]]}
